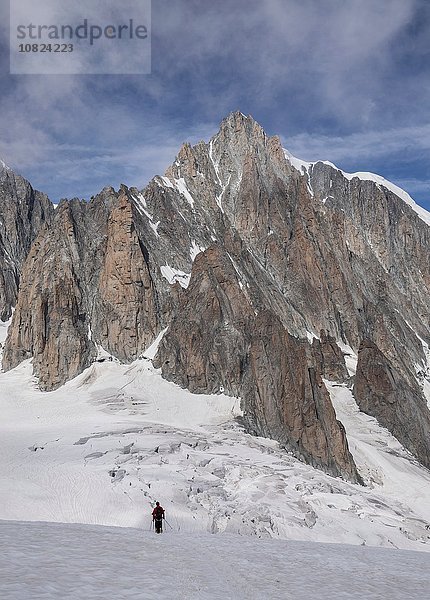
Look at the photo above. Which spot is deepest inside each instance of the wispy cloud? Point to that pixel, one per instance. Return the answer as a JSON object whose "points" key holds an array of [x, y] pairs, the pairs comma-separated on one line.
{"points": [[333, 57], [343, 81], [367, 145], [94, 52], [391, 153], [116, 149]]}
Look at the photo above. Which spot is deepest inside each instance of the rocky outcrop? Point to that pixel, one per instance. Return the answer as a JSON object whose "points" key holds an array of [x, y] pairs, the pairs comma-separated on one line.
{"points": [[207, 343], [286, 399], [23, 212], [226, 345], [329, 358], [50, 323], [381, 391], [93, 289], [125, 319]]}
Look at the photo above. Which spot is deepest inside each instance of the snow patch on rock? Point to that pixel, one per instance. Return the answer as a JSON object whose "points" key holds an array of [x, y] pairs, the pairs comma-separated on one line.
{"points": [[195, 249], [351, 358], [140, 203], [181, 186], [151, 351], [175, 275], [4, 166]]}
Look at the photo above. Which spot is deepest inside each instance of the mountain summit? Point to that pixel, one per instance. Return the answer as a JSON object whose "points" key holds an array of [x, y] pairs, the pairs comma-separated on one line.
{"points": [[264, 272]]}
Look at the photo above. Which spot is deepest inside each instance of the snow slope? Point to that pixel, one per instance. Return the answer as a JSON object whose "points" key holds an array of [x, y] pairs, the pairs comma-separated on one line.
{"points": [[3, 330], [51, 561], [104, 447], [395, 469]]}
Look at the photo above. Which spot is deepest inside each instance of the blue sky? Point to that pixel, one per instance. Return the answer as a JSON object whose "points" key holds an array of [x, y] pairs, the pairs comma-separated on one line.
{"points": [[340, 80]]}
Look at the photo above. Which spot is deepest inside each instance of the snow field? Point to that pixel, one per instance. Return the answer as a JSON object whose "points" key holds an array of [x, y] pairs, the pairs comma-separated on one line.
{"points": [[50, 561], [104, 447]]}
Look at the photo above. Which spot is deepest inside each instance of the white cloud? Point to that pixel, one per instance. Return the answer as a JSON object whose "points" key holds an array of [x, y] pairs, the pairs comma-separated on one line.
{"points": [[338, 52], [368, 145]]}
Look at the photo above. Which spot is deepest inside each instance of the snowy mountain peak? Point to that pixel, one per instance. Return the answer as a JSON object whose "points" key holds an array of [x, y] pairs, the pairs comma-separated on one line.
{"points": [[304, 166], [240, 256]]}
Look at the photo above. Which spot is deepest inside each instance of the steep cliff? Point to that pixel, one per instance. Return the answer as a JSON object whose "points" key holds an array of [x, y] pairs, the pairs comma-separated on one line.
{"points": [[93, 288], [229, 345], [23, 212], [324, 251], [381, 391]]}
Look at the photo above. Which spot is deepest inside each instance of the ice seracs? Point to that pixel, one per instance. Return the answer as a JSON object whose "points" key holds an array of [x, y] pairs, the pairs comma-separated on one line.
{"points": [[59, 450]]}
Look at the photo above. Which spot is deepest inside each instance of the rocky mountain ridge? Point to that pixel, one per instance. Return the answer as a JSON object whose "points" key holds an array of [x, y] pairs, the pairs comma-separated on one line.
{"points": [[244, 256], [23, 212]]}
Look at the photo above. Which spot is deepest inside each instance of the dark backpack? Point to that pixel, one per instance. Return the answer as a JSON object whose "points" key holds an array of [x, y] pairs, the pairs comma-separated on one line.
{"points": [[159, 512]]}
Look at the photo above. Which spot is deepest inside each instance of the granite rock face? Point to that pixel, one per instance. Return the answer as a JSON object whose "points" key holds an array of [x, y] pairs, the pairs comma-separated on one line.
{"points": [[51, 322], [324, 252], [208, 338], [125, 317], [329, 358], [286, 399], [228, 346], [93, 289], [382, 392], [23, 212], [244, 254]]}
